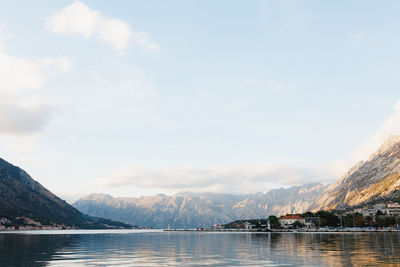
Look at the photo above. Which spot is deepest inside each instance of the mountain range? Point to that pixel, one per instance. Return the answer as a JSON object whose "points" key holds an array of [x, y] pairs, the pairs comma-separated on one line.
{"points": [[377, 179], [188, 210]]}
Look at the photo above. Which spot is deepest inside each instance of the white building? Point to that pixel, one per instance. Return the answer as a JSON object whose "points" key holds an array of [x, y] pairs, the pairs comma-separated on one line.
{"points": [[367, 211], [392, 209], [248, 226], [291, 219]]}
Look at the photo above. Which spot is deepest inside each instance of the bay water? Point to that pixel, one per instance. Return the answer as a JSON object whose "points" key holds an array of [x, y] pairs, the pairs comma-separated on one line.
{"points": [[159, 248]]}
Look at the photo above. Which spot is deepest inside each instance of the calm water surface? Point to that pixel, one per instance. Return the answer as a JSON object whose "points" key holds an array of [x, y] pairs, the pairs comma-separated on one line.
{"points": [[155, 248]]}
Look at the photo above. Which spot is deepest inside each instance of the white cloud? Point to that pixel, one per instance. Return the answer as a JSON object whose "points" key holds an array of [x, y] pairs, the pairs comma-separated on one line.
{"points": [[391, 126], [80, 19], [24, 116], [75, 18], [114, 32], [227, 179], [246, 178], [22, 110], [397, 106], [143, 39], [334, 169], [17, 74]]}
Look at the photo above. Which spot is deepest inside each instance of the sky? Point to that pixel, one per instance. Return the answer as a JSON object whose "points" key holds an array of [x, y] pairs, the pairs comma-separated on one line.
{"points": [[138, 98]]}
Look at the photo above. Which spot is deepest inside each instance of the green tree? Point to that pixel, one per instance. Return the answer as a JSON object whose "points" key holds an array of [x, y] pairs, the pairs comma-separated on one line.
{"points": [[298, 224], [274, 221], [307, 214], [328, 218], [359, 220], [369, 221], [385, 221], [378, 213]]}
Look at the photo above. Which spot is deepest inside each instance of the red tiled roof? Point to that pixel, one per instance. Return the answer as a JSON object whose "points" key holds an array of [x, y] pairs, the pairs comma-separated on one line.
{"points": [[291, 217]]}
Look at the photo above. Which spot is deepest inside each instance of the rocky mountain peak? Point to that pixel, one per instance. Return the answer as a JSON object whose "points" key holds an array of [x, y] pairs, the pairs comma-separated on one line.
{"points": [[388, 143], [190, 210], [375, 179]]}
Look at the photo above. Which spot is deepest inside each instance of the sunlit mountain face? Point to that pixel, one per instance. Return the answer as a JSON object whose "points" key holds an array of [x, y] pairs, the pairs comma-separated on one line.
{"points": [[191, 210]]}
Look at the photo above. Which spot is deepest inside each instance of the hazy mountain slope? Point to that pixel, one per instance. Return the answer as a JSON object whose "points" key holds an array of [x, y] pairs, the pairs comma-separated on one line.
{"points": [[296, 199], [180, 210], [20, 195], [377, 178], [191, 210]]}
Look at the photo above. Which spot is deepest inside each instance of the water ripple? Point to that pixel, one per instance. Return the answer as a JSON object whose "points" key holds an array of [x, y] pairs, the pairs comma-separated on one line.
{"points": [[149, 248]]}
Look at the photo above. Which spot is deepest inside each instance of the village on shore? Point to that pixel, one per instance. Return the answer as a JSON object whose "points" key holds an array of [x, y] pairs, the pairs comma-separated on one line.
{"points": [[378, 217], [22, 223], [25, 223]]}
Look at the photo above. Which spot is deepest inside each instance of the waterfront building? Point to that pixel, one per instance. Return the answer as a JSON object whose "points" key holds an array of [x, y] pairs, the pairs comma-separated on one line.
{"points": [[392, 209], [218, 226], [311, 222], [289, 220], [248, 226], [4, 221], [379, 206]]}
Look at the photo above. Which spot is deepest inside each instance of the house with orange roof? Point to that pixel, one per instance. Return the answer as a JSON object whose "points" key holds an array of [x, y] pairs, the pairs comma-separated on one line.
{"points": [[291, 219]]}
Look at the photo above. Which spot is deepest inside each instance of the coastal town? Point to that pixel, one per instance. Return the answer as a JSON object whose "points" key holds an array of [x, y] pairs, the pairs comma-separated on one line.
{"points": [[22, 223], [25, 223], [380, 216], [377, 217]]}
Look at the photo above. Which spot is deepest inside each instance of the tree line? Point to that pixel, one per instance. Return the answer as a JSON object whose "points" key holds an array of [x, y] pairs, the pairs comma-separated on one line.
{"points": [[335, 219]]}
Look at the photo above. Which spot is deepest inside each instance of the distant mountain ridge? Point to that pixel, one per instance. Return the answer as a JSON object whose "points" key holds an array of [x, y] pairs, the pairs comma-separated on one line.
{"points": [[189, 210], [21, 196]]}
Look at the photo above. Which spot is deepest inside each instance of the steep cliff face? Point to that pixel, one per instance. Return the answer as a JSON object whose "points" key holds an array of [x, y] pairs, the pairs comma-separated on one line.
{"points": [[187, 210], [20, 195], [296, 199], [375, 179], [178, 211]]}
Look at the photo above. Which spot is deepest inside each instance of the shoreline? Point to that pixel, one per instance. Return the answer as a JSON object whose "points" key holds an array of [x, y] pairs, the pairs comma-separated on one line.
{"points": [[288, 231], [98, 231]]}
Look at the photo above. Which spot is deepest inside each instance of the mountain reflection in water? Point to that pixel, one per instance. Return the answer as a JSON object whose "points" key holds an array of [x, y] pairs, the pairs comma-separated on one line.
{"points": [[147, 248]]}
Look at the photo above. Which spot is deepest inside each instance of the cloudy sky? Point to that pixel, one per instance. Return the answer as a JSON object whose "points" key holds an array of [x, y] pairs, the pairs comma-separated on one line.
{"points": [[142, 97]]}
